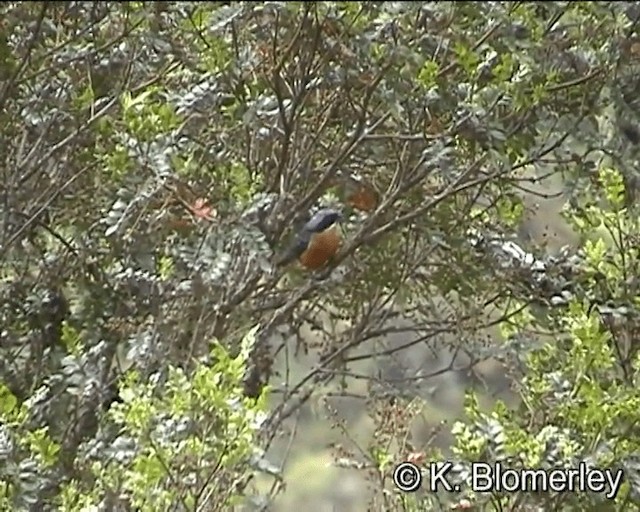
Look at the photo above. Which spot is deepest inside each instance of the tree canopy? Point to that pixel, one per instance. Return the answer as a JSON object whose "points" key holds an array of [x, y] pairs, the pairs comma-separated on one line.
{"points": [[158, 156]]}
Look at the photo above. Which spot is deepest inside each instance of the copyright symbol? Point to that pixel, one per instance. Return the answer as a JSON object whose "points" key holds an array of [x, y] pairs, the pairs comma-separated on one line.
{"points": [[407, 477]]}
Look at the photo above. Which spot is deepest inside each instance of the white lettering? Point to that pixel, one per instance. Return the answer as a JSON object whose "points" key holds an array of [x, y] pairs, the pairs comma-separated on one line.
{"points": [[438, 475], [558, 480], [509, 480], [486, 478], [596, 481], [614, 482], [481, 477], [534, 479]]}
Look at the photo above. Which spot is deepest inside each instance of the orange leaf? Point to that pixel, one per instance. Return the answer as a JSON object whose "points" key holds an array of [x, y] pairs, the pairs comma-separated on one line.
{"points": [[463, 504], [202, 210], [416, 457]]}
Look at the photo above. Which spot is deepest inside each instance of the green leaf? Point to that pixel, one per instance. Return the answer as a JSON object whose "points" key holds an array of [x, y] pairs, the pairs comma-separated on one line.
{"points": [[428, 74]]}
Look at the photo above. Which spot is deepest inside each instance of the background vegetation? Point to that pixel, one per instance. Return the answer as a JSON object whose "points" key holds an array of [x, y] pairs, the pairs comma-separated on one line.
{"points": [[157, 155]]}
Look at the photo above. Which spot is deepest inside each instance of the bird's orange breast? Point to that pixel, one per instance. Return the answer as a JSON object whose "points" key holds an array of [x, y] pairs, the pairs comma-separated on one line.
{"points": [[322, 247]]}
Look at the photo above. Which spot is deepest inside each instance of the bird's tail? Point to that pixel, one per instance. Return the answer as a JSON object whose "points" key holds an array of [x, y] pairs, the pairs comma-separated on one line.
{"points": [[293, 252]]}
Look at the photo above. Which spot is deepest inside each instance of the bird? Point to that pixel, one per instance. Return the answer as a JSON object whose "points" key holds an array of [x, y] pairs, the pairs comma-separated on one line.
{"points": [[317, 242]]}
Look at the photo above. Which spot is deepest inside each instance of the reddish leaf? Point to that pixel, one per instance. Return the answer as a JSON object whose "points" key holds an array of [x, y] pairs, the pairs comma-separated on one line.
{"points": [[416, 457], [201, 209]]}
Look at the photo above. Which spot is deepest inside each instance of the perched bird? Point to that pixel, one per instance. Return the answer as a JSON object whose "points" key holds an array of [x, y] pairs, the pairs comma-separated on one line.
{"points": [[317, 242]]}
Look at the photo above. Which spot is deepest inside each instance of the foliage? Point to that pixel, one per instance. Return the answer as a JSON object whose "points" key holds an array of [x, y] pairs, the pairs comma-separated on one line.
{"points": [[579, 394], [175, 438], [157, 156]]}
